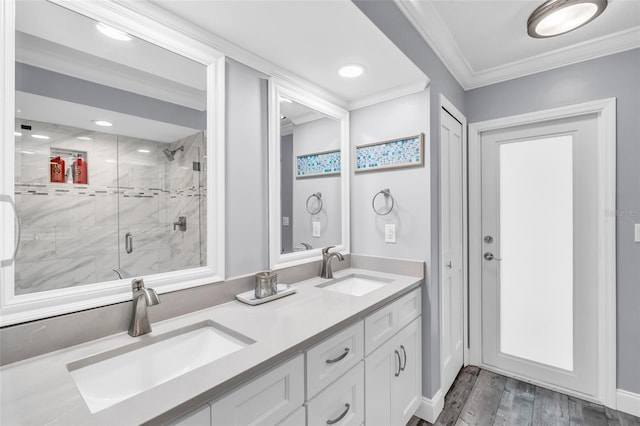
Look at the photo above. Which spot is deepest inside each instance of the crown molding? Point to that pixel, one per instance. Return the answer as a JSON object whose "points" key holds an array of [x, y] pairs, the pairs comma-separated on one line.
{"points": [[426, 20], [397, 92], [580, 52]]}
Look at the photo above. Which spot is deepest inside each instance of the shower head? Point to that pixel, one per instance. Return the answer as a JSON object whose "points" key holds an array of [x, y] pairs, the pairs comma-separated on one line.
{"points": [[170, 154]]}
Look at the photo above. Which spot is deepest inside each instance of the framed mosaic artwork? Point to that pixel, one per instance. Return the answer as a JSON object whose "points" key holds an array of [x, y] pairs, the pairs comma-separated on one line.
{"points": [[391, 154], [318, 164]]}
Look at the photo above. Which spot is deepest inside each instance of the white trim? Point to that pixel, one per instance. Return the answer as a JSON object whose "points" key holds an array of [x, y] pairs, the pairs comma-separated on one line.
{"points": [[606, 116], [277, 88], [451, 109], [427, 21], [628, 402], [398, 92], [20, 308], [430, 409]]}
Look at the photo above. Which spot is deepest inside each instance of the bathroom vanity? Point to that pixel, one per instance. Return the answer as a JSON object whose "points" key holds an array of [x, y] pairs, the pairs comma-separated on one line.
{"points": [[345, 350]]}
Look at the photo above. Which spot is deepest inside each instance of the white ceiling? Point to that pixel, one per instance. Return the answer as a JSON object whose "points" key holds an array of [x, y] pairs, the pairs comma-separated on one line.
{"points": [[310, 40], [485, 41]]}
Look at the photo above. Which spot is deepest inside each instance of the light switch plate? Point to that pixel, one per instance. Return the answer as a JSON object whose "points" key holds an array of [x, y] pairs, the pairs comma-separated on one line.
{"points": [[316, 229], [637, 233], [285, 220], [390, 233]]}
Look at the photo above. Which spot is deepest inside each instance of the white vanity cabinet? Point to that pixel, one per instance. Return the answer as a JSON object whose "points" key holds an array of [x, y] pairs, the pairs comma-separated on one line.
{"points": [[267, 400], [393, 369], [367, 373]]}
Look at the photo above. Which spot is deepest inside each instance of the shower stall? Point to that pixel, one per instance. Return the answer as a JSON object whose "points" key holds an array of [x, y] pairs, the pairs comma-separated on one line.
{"points": [[119, 223]]}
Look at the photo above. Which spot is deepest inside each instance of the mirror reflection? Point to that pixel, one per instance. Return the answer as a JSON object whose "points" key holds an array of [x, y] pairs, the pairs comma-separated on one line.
{"points": [[310, 178], [110, 153]]}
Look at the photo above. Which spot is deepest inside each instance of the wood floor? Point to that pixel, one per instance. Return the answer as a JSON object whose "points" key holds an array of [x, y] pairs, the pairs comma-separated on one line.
{"points": [[479, 397]]}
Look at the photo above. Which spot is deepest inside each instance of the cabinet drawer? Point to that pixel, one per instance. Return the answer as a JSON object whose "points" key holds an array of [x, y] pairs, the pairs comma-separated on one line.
{"points": [[380, 326], [298, 418], [268, 399], [332, 357], [342, 402], [409, 307]]}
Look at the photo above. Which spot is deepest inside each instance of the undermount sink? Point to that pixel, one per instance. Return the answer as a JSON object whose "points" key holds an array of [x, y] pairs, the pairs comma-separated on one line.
{"points": [[111, 377], [355, 284]]}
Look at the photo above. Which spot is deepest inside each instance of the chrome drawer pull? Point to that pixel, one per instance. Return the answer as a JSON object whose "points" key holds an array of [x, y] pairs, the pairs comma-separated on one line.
{"points": [[339, 358], [405, 358], [341, 416], [397, 373]]}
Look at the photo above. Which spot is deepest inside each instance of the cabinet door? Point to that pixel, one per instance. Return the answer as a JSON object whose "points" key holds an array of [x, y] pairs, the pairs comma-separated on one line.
{"points": [[380, 326], [199, 417], [381, 368], [267, 400], [408, 385], [342, 403]]}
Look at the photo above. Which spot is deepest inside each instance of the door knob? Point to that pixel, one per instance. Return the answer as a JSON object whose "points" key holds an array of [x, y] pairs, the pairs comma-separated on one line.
{"points": [[490, 256]]}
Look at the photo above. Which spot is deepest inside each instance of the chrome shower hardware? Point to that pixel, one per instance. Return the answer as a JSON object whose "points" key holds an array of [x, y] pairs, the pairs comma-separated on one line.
{"points": [[181, 224]]}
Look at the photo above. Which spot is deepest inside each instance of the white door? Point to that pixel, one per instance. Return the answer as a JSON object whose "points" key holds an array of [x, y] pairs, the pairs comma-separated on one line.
{"points": [[539, 249], [451, 259]]}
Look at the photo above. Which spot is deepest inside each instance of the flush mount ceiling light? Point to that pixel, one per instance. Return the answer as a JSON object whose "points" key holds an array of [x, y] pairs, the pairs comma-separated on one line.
{"points": [[556, 17], [102, 123], [351, 71], [40, 137], [84, 138], [112, 32]]}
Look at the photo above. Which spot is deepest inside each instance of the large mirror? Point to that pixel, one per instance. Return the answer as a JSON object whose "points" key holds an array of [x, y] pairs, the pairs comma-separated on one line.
{"points": [[117, 159], [309, 172]]}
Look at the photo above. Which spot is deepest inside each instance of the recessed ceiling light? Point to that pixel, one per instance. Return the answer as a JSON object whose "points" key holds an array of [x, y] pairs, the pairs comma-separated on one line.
{"points": [[112, 32], [40, 137], [17, 134], [102, 123], [351, 71], [144, 151], [285, 100], [110, 161], [27, 152], [84, 138], [556, 17]]}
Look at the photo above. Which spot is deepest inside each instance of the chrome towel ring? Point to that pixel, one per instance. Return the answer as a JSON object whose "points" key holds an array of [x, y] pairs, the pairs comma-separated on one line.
{"points": [[387, 194], [317, 195]]}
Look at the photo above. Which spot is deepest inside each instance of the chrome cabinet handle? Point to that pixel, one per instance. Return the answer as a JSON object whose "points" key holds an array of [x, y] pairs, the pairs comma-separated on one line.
{"points": [[339, 357], [404, 352], [341, 416], [397, 373], [128, 242], [490, 256], [4, 198]]}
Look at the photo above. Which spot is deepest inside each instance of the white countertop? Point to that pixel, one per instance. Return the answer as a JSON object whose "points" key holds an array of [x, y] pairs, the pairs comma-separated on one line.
{"points": [[40, 390]]}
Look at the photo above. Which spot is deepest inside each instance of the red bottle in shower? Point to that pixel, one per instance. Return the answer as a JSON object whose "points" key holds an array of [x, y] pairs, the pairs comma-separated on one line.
{"points": [[56, 173], [80, 170]]}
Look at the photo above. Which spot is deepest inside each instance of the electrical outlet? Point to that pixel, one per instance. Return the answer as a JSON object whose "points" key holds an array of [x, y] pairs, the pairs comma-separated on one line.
{"points": [[390, 233], [285, 220], [316, 229]]}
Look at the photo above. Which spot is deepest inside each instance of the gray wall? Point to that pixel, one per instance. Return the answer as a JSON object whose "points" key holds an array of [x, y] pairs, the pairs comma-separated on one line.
{"points": [[388, 18], [411, 189], [612, 76], [247, 212], [311, 137], [286, 190]]}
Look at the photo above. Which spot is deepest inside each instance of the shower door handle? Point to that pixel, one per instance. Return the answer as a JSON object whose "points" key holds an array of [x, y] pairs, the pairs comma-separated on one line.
{"points": [[128, 242], [4, 198]]}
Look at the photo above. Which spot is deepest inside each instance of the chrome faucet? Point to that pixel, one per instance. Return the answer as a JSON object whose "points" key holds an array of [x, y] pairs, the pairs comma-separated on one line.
{"points": [[142, 297], [326, 261]]}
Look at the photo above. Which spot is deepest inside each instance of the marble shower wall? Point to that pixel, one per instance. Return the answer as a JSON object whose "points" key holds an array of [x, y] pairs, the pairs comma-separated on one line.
{"points": [[73, 234]]}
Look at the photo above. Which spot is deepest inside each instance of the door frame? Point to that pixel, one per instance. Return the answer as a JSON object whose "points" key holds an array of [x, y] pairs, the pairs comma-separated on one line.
{"points": [[605, 111], [447, 106]]}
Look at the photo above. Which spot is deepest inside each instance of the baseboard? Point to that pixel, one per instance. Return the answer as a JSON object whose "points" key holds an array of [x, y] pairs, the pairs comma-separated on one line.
{"points": [[430, 409], [628, 402]]}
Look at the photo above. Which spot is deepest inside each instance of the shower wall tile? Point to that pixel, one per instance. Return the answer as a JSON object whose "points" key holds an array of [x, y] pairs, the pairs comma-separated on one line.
{"points": [[78, 241], [105, 264], [37, 244], [32, 277], [140, 262]]}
